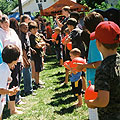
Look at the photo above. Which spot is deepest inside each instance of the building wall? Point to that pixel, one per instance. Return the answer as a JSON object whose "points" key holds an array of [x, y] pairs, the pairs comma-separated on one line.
{"points": [[32, 6], [112, 2]]}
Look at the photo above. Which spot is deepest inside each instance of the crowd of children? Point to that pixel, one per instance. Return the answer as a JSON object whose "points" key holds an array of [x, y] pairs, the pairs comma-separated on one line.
{"points": [[24, 45]]}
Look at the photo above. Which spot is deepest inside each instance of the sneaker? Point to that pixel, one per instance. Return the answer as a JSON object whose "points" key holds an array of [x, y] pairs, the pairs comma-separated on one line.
{"points": [[38, 86], [20, 103], [41, 82]]}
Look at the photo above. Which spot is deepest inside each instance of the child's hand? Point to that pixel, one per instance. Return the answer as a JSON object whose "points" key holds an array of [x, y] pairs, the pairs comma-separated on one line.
{"points": [[88, 102], [13, 91], [57, 41], [34, 51], [73, 71]]}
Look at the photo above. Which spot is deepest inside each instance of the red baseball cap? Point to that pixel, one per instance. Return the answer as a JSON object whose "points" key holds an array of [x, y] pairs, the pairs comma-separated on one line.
{"points": [[106, 32]]}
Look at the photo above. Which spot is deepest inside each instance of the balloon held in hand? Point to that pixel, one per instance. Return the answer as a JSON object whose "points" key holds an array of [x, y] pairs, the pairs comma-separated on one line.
{"points": [[69, 46], [89, 93], [67, 63]]}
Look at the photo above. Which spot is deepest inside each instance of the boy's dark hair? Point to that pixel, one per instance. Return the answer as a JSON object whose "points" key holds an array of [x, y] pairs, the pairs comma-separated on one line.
{"points": [[92, 20], [72, 21], [66, 8], [32, 25], [48, 23], [75, 52], [75, 15], [111, 46], [10, 53]]}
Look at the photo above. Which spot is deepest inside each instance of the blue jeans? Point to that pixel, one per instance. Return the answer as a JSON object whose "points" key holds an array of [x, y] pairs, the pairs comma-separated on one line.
{"points": [[27, 80]]}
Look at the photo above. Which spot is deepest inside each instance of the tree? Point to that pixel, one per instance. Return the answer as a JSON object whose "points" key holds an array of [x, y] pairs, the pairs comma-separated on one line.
{"points": [[6, 6]]}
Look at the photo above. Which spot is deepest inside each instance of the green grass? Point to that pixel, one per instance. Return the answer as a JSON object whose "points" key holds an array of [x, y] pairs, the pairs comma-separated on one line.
{"points": [[54, 102]]}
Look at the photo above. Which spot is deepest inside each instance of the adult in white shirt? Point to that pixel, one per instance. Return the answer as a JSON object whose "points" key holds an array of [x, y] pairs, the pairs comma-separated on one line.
{"points": [[9, 36]]}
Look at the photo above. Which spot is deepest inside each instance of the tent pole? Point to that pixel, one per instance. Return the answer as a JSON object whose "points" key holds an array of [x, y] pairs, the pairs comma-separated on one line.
{"points": [[20, 7]]}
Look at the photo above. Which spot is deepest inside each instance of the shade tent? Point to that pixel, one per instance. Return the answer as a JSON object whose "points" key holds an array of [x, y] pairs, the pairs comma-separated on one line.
{"points": [[112, 14], [57, 8], [16, 15]]}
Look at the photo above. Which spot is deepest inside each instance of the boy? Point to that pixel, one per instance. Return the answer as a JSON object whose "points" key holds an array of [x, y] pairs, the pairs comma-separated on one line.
{"points": [[10, 55], [75, 77], [75, 36], [107, 79], [58, 46], [36, 43]]}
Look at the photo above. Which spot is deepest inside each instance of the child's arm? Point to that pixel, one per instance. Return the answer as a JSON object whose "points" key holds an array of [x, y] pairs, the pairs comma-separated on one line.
{"points": [[94, 65], [69, 68], [101, 101], [12, 91], [67, 41], [39, 45]]}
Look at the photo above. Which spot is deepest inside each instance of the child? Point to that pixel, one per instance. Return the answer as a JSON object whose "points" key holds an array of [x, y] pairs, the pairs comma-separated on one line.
{"points": [[36, 43], [107, 78], [75, 78], [58, 46], [10, 55], [66, 55]]}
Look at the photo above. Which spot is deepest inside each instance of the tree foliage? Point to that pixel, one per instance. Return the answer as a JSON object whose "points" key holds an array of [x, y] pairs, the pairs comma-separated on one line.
{"points": [[98, 4], [6, 6]]}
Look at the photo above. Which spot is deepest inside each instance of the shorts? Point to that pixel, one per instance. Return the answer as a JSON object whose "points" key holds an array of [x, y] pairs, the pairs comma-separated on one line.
{"points": [[77, 87], [38, 64]]}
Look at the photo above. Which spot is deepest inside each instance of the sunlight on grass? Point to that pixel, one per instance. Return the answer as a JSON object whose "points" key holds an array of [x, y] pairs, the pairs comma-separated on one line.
{"points": [[54, 102]]}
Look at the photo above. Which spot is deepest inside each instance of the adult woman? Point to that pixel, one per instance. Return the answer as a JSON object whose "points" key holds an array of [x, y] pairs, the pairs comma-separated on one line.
{"points": [[9, 36]]}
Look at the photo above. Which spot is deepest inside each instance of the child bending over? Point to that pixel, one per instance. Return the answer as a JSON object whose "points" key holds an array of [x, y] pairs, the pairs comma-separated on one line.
{"points": [[10, 55]]}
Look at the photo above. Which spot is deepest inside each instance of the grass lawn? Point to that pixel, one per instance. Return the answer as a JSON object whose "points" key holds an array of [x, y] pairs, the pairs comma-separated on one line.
{"points": [[54, 102]]}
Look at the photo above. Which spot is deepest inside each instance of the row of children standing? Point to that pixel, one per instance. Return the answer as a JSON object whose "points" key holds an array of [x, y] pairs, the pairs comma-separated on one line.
{"points": [[107, 45]]}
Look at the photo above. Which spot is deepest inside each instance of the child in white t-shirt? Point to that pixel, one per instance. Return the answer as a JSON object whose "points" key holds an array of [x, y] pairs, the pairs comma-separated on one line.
{"points": [[10, 56]]}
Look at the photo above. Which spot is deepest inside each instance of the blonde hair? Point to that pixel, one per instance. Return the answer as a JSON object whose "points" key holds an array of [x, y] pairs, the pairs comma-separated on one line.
{"points": [[58, 29], [75, 52]]}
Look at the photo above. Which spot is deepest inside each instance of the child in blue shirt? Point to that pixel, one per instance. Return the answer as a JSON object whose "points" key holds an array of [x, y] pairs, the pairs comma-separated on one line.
{"points": [[75, 77]]}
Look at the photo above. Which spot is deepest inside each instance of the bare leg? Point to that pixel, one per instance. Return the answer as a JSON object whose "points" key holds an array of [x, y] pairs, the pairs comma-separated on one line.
{"points": [[33, 69], [61, 61], [84, 86], [0, 117], [79, 101], [36, 77], [66, 76], [13, 109]]}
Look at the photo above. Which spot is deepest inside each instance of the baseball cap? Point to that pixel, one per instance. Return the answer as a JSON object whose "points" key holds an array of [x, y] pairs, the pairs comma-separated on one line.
{"points": [[106, 32]]}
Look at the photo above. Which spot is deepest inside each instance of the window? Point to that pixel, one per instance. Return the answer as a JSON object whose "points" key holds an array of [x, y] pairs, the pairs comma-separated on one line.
{"points": [[36, 1], [40, 6], [40, 0], [44, 0]]}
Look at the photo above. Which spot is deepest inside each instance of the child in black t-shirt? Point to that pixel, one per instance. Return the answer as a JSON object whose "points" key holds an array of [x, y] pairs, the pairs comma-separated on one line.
{"points": [[107, 78], [36, 43]]}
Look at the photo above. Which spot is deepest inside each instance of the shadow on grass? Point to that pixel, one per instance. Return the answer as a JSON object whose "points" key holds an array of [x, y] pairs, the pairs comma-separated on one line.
{"points": [[63, 94], [57, 74], [65, 110], [60, 101], [64, 86]]}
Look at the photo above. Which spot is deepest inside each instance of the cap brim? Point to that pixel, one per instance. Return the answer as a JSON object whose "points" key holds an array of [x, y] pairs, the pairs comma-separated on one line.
{"points": [[92, 36]]}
